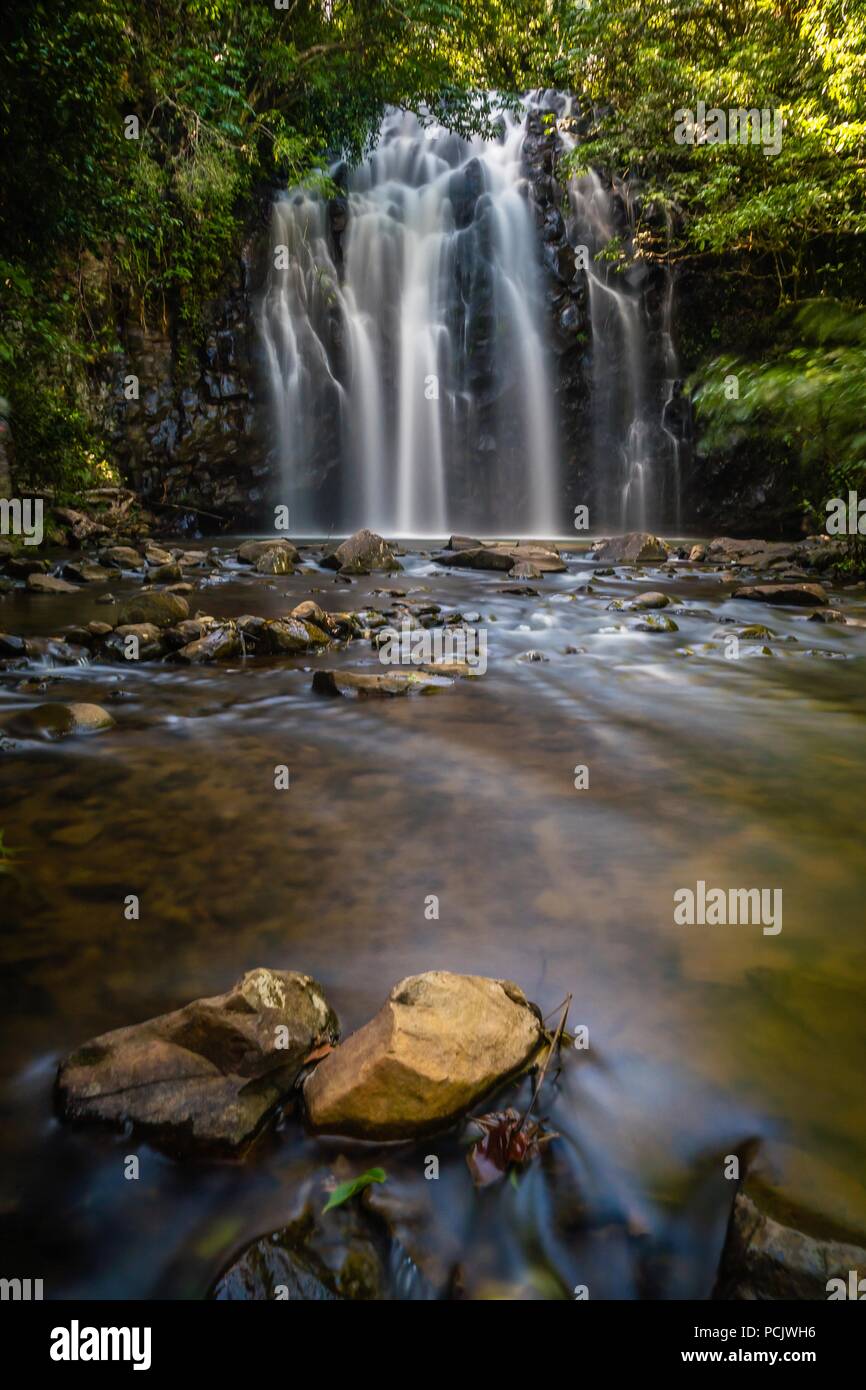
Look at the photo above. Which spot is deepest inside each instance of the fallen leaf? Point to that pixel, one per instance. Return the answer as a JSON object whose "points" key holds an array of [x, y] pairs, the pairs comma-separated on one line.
{"points": [[349, 1189]]}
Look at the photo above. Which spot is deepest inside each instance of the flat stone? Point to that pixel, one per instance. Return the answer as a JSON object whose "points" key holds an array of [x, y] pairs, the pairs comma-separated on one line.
{"points": [[203, 1078], [360, 686], [440, 1043], [50, 584], [480, 557], [85, 572], [785, 595], [123, 557], [21, 566]]}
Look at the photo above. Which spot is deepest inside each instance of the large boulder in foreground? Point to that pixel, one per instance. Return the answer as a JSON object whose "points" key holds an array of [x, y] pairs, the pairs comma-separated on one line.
{"points": [[439, 1044], [634, 548], [205, 1077], [361, 554], [764, 1260]]}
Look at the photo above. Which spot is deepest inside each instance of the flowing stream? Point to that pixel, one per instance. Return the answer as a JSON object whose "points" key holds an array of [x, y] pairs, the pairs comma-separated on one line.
{"points": [[701, 1039]]}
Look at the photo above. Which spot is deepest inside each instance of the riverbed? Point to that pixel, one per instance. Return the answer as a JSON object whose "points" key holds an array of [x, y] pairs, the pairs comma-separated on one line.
{"points": [[705, 1041]]}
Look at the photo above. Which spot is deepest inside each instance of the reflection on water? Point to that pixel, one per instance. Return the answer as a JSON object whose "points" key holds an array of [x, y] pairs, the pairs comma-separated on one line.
{"points": [[741, 773]]}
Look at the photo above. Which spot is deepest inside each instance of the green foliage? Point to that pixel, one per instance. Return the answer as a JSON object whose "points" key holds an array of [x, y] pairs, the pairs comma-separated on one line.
{"points": [[349, 1189], [641, 64], [235, 96], [231, 97], [806, 396]]}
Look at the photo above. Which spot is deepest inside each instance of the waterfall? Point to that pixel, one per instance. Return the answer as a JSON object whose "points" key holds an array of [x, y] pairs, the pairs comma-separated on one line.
{"points": [[403, 332], [635, 407]]}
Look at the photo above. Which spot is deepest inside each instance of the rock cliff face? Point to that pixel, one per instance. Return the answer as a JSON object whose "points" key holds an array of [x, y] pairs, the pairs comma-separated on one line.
{"points": [[194, 437], [197, 444], [567, 295]]}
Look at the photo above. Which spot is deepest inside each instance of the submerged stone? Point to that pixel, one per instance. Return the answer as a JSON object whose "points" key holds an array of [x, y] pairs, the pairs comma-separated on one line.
{"points": [[359, 685], [765, 1260], [52, 721]]}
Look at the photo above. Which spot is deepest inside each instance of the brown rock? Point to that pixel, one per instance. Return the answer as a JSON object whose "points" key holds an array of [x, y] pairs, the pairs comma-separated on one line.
{"points": [[634, 548], [206, 1076], [292, 636], [49, 584], [482, 557], [765, 1260], [123, 557], [161, 609], [84, 572], [360, 554], [51, 721], [149, 638], [440, 1043], [275, 561], [359, 685], [218, 644], [787, 595], [251, 551]]}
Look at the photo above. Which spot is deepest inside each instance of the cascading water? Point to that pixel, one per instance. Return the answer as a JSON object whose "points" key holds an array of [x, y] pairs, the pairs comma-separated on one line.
{"points": [[637, 412], [404, 337]]}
